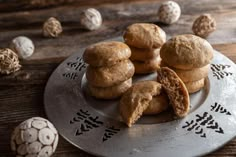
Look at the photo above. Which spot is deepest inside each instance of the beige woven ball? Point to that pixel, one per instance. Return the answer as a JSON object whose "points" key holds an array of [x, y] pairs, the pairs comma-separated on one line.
{"points": [[52, 28], [9, 61], [35, 137]]}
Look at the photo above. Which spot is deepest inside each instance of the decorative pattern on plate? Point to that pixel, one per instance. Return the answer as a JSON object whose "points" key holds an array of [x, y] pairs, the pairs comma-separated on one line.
{"points": [[201, 122], [109, 132], [70, 75], [219, 108], [77, 65], [219, 71], [86, 121]]}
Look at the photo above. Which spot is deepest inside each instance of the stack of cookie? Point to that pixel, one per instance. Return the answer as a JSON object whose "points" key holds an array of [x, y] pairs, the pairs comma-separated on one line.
{"points": [[110, 71], [144, 40], [189, 56]]}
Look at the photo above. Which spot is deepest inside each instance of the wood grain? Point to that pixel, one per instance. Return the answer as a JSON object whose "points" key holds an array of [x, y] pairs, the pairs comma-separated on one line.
{"points": [[19, 5], [21, 93], [116, 19]]}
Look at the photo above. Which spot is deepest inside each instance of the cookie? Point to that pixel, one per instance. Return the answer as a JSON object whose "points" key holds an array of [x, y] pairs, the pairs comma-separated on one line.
{"points": [[138, 54], [106, 53], [144, 35], [157, 105], [148, 66], [136, 100], [191, 75], [110, 92], [175, 89], [110, 76], [186, 52], [195, 86]]}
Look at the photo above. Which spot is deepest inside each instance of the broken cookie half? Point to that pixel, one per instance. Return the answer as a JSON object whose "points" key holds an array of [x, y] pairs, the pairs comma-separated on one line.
{"points": [[175, 89], [137, 99], [148, 97]]}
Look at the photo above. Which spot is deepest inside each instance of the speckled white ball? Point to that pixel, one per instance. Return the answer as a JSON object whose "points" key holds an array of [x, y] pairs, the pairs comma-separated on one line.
{"points": [[35, 137], [91, 19], [23, 46], [169, 12]]}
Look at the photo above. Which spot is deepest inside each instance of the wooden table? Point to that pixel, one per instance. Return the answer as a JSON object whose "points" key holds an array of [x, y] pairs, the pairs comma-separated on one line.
{"points": [[21, 93]]}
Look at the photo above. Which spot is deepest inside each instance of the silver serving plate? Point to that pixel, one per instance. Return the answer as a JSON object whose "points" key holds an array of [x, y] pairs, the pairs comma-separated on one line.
{"points": [[95, 125]]}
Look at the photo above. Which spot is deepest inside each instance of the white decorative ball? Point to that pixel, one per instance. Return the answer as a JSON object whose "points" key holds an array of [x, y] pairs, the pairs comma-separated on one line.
{"points": [[169, 12], [91, 19], [23, 46], [35, 137]]}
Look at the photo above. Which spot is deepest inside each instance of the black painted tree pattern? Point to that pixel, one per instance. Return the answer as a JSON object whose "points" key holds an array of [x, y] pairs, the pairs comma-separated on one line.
{"points": [[109, 132], [77, 65], [202, 122], [70, 75], [86, 122], [219, 108], [219, 71]]}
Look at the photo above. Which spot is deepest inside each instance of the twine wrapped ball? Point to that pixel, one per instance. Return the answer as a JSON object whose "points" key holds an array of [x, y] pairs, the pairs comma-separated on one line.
{"points": [[35, 137], [204, 25], [169, 12], [91, 19], [9, 61], [23, 46], [52, 28]]}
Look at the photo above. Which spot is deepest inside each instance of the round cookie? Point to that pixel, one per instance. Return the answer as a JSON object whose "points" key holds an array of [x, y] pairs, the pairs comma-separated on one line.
{"points": [[158, 104], [136, 100], [138, 54], [195, 85], [106, 53], [186, 52], [110, 92], [147, 66], [175, 89], [144, 35], [191, 75], [110, 76]]}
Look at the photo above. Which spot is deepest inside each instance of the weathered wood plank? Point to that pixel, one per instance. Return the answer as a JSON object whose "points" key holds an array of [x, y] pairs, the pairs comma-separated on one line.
{"points": [[116, 19], [229, 50], [19, 5]]}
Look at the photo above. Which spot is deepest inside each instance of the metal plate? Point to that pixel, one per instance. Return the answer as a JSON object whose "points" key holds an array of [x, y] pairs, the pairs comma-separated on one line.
{"points": [[95, 126]]}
